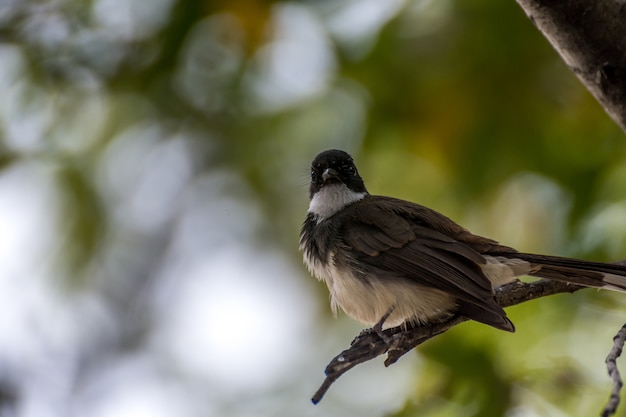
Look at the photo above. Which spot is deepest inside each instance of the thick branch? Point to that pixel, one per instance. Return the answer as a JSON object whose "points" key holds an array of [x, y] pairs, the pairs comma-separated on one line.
{"points": [[368, 345], [590, 36]]}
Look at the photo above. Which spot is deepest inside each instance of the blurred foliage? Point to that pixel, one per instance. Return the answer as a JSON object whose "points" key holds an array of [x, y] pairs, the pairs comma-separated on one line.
{"points": [[461, 106]]}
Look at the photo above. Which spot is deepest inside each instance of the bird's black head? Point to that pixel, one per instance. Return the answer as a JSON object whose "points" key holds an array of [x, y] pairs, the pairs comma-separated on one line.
{"points": [[335, 167]]}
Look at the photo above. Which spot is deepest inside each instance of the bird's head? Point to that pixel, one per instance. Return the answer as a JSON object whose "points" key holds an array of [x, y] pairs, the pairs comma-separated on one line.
{"points": [[335, 183], [332, 168]]}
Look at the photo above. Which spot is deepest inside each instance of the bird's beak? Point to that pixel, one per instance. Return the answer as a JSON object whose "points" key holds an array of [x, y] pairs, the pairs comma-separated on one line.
{"points": [[330, 174]]}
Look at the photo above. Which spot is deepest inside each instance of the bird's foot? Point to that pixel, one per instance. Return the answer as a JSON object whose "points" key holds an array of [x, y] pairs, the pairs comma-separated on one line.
{"points": [[378, 329]]}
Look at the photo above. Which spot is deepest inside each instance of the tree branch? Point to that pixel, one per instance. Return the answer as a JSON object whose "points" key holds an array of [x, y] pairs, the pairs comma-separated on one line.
{"points": [[368, 345], [590, 36], [611, 365]]}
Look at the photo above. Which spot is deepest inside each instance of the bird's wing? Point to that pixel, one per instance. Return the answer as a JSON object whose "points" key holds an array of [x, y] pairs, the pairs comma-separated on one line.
{"points": [[399, 242]]}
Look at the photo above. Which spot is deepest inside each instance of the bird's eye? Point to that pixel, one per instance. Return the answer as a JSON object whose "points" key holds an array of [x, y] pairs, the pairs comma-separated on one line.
{"points": [[348, 169]]}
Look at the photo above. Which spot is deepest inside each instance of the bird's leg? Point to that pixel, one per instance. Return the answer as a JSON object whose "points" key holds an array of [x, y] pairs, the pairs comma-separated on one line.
{"points": [[378, 327]]}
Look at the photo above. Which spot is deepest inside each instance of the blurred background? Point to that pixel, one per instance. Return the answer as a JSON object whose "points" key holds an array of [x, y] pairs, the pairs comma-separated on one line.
{"points": [[154, 161]]}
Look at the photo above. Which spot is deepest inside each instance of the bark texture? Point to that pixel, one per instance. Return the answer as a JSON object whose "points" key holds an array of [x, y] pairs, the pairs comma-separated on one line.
{"points": [[590, 36]]}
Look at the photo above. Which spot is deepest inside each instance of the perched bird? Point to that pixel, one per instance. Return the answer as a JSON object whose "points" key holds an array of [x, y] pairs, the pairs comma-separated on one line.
{"points": [[388, 261]]}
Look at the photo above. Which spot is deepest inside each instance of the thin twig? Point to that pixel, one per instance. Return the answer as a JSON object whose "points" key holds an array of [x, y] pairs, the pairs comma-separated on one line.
{"points": [[611, 365]]}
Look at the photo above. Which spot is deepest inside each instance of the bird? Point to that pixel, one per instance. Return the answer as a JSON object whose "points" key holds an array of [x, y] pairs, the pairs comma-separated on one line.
{"points": [[388, 262]]}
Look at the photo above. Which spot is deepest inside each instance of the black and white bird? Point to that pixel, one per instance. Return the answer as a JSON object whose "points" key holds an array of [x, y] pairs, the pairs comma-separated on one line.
{"points": [[388, 261]]}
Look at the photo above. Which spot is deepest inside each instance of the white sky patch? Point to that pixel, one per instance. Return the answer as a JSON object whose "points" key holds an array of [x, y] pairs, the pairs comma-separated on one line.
{"points": [[37, 322], [357, 23], [26, 113], [27, 226], [131, 387], [236, 320], [132, 19], [231, 311], [143, 176], [296, 65], [30, 115]]}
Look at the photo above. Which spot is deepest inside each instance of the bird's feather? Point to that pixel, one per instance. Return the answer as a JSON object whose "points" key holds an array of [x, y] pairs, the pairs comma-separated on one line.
{"points": [[399, 241]]}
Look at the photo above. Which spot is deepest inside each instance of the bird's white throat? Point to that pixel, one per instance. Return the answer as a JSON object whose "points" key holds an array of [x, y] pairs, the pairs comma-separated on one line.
{"points": [[332, 198]]}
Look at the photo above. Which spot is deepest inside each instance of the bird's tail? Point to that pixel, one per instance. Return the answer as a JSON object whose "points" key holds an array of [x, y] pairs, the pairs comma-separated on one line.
{"points": [[611, 276]]}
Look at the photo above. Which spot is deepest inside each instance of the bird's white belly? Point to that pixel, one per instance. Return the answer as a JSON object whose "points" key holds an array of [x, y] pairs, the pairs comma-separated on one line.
{"points": [[368, 300]]}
